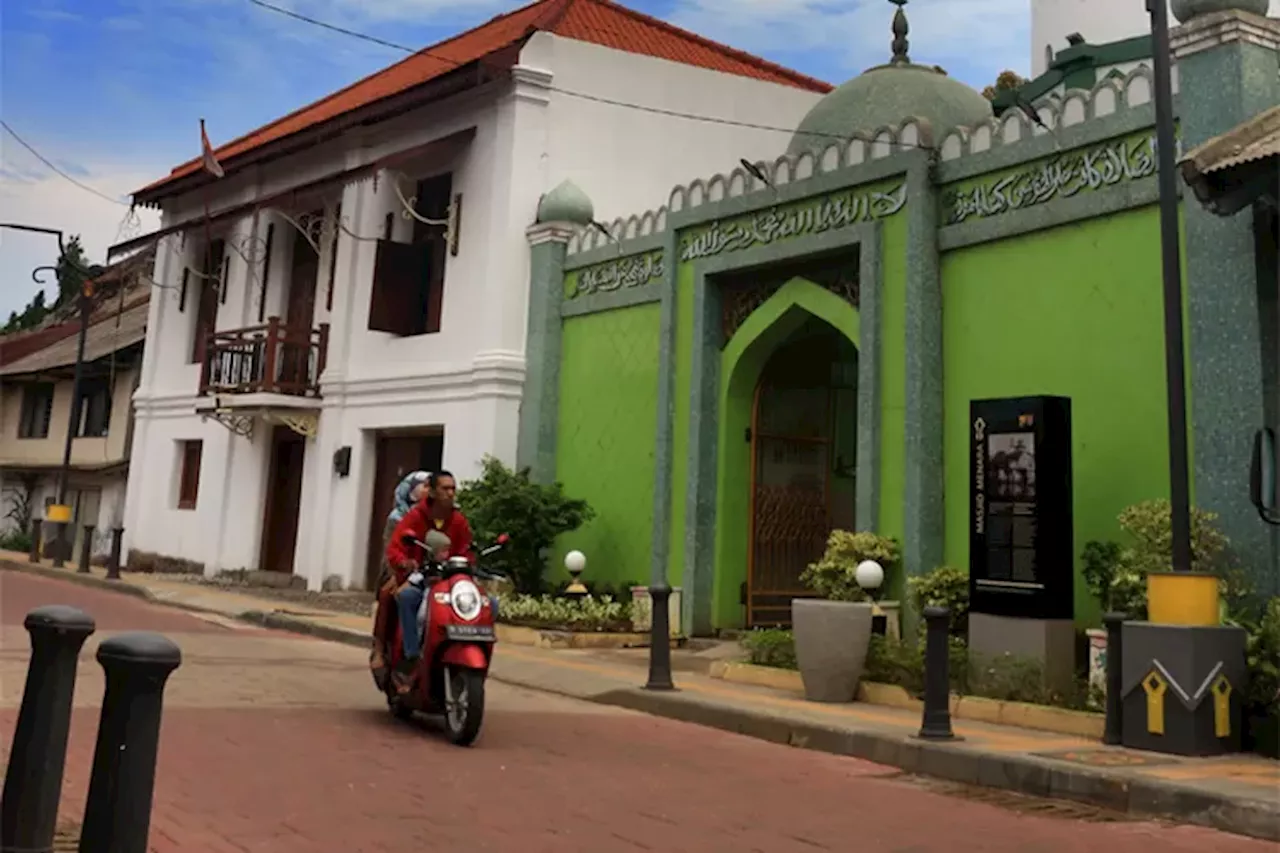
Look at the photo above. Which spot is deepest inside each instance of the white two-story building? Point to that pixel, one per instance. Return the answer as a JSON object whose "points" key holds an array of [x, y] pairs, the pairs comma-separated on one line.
{"points": [[353, 306]]}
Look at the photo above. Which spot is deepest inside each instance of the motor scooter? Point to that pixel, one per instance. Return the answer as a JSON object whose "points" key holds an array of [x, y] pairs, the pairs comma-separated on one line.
{"points": [[457, 648]]}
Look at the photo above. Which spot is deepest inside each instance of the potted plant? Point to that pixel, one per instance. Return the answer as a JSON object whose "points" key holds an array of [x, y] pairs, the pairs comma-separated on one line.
{"points": [[832, 631], [1100, 563]]}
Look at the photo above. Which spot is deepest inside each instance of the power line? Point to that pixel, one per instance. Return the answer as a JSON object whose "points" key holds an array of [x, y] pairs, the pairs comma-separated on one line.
{"points": [[572, 94], [55, 169]]}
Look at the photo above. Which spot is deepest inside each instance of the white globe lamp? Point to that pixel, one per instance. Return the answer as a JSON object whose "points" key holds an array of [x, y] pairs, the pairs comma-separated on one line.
{"points": [[575, 562], [870, 575]]}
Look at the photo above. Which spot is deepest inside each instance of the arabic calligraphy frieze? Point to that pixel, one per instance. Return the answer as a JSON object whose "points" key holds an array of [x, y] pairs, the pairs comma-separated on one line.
{"points": [[619, 274], [1066, 176], [813, 216]]}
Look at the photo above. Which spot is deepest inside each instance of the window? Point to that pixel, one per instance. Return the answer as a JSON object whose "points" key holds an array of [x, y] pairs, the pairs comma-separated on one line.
{"points": [[37, 409], [408, 279], [189, 453], [209, 284], [95, 408]]}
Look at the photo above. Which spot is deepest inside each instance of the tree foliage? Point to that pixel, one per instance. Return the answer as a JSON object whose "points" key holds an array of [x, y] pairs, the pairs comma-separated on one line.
{"points": [[532, 514], [1007, 81], [71, 271]]}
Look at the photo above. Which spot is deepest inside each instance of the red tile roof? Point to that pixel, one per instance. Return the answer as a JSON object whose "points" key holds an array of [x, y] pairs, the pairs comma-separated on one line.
{"points": [[601, 22]]}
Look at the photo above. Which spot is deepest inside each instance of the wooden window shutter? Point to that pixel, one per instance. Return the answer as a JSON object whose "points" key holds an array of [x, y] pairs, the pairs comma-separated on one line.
{"points": [[394, 305]]}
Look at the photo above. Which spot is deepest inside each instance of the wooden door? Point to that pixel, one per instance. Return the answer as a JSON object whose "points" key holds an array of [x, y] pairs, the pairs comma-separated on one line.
{"points": [[284, 500], [397, 456], [792, 432], [300, 311]]}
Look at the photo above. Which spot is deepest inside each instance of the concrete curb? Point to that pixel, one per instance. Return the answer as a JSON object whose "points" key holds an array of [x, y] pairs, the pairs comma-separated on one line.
{"points": [[948, 760], [75, 577], [953, 761]]}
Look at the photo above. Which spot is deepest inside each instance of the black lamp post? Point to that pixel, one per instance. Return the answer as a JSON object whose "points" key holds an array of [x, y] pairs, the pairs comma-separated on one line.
{"points": [[1171, 262], [85, 304]]}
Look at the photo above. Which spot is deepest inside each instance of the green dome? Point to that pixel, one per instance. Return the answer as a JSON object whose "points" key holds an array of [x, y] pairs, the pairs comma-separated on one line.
{"points": [[888, 94], [566, 203], [885, 96]]}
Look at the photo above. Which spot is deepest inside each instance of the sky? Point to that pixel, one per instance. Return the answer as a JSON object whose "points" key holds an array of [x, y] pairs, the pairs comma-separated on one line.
{"points": [[112, 91]]}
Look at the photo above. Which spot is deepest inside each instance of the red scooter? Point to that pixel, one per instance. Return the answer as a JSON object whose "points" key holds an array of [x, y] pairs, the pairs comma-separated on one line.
{"points": [[458, 646]]}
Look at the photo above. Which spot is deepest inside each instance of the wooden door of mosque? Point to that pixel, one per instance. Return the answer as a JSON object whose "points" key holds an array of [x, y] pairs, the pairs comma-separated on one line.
{"points": [[791, 465]]}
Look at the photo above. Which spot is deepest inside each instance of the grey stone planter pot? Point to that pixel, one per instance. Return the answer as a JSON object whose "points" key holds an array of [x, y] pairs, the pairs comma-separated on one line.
{"points": [[831, 646]]}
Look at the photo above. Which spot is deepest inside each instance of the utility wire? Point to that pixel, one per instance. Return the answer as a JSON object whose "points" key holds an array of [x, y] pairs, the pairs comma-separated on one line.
{"points": [[426, 52], [55, 169]]}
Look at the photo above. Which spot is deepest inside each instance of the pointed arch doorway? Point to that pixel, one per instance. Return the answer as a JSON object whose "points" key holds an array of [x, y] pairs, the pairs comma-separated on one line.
{"points": [[803, 438]]}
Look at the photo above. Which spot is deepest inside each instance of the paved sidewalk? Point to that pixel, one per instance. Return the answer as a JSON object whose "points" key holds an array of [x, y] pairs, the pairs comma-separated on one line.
{"points": [[1239, 794]]}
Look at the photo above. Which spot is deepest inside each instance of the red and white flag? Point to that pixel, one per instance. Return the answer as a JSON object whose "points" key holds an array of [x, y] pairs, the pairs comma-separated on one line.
{"points": [[207, 160]]}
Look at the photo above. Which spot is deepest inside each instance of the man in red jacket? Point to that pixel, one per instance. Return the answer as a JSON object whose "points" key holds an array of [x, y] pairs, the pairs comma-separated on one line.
{"points": [[435, 512]]}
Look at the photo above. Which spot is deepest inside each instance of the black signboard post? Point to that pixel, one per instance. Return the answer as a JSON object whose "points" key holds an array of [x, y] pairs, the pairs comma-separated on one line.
{"points": [[1021, 551]]}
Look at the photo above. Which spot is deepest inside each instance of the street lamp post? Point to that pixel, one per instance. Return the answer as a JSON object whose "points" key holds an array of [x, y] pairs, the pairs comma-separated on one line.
{"points": [[85, 304], [1171, 263], [86, 308]]}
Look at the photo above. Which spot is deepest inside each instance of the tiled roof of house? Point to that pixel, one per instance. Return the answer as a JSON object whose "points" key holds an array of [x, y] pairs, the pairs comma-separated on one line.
{"points": [[601, 22]]}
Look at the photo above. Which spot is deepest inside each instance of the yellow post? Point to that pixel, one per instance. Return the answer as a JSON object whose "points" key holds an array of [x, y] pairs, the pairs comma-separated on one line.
{"points": [[1155, 686], [1183, 598], [1221, 707]]}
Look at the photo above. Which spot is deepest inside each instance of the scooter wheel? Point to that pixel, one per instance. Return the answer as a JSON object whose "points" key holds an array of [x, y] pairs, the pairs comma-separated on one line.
{"points": [[464, 715]]}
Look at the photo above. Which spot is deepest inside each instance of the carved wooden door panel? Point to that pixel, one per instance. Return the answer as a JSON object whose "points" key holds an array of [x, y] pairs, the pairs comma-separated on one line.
{"points": [[790, 497]]}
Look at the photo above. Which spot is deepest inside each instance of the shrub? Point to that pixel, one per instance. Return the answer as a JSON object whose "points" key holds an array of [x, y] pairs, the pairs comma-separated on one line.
{"points": [[770, 647], [532, 514], [891, 661], [945, 586], [568, 614], [15, 540], [1099, 563], [1149, 527], [832, 577], [1264, 663]]}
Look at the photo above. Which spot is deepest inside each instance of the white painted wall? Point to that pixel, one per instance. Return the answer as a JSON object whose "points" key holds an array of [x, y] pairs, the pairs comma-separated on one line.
{"points": [[467, 378]]}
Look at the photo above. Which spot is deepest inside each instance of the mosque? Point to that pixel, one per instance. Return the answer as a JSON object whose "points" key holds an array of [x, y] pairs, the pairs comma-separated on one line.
{"points": [[793, 346]]}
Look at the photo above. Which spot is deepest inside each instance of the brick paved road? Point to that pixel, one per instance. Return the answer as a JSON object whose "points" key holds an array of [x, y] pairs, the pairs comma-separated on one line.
{"points": [[278, 744]]}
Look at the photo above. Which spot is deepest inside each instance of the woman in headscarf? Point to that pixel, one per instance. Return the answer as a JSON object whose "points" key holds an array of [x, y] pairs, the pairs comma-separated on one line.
{"points": [[411, 490]]}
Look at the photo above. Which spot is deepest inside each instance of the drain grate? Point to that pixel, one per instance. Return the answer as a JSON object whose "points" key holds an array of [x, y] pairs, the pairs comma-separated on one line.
{"points": [[1020, 803]]}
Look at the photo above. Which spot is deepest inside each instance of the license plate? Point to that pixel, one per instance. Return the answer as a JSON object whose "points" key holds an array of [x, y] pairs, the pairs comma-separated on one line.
{"points": [[474, 633]]}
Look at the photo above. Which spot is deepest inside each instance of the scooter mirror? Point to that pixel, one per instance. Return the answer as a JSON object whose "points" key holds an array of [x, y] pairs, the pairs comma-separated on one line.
{"points": [[1262, 471]]}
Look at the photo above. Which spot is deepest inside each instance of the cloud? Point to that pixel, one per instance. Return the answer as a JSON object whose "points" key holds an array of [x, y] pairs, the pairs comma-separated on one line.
{"points": [[972, 39], [33, 195]]}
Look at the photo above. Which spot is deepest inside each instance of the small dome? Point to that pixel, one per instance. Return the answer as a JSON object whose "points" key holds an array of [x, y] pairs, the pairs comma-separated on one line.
{"points": [[887, 95], [566, 203]]}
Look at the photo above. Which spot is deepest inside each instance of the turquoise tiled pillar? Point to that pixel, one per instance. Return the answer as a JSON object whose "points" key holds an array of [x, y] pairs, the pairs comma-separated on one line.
{"points": [[1228, 72], [539, 401]]}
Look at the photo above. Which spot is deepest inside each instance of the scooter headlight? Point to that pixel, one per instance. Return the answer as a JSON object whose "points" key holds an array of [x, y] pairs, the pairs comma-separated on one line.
{"points": [[466, 600]]}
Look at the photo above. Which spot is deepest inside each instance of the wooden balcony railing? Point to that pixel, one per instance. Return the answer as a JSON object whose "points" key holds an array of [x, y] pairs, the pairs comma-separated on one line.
{"points": [[270, 359]]}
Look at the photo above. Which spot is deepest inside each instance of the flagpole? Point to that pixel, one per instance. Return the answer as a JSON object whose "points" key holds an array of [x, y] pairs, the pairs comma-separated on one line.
{"points": [[208, 222]]}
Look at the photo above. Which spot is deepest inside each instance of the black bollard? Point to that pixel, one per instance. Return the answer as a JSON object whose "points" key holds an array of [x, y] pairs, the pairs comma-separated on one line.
{"points": [[660, 639], [33, 779], [117, 812], [33, 555], [113, 562], [86, 549], [1113, 727], [59, 544], [936, 723]]}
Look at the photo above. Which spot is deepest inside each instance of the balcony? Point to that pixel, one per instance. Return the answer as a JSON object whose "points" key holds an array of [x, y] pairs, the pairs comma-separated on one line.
{"points": [[270, 359]]}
